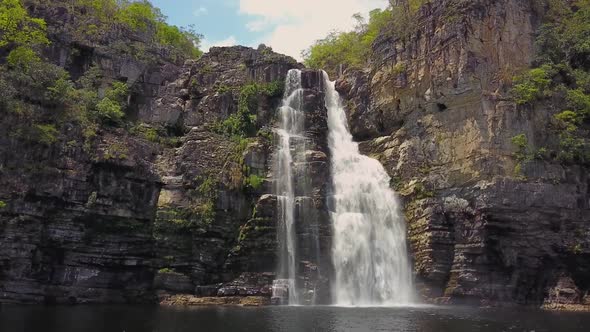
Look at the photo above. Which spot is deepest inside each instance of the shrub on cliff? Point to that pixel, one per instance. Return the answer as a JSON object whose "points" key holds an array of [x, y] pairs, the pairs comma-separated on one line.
{"points": [[21, 34], [562, 73], [533, 84], [243, 123]]}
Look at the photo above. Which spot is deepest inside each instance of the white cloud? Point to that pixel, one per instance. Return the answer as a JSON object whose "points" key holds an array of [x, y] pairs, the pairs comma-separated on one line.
{"points": [[258, 25], [295, 24], [229, 41], [200, 11]]}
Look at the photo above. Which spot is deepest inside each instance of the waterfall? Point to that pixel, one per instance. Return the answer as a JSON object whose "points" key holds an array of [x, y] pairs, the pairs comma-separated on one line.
{"points": [[290, 150], [369, 238]]}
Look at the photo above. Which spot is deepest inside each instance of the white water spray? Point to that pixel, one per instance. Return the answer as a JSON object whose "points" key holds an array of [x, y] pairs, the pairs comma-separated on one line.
{"points": [[290, 150], [369, 246]]}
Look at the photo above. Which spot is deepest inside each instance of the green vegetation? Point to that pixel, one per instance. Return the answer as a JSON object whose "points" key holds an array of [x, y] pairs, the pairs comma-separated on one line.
{"points": [[174, 220], [96, 19], [347, 48], [353, 48], [2, 205], [208, 187], [265, 133], [204, 199], [254, 181], [161, 135], [42, 98], [522, 155], [561, 74], [577, 249], [532, 85], [421, 192], [199, 215], [46, 134], [243, 122], [522, 143], [237, 169], [221, 89], [116, 151], [22, 33], [146, 132], [396, 183], [110, 108], [64, 102]]}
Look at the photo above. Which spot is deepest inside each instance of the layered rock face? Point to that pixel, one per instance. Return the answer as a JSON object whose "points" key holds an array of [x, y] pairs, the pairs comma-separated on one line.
{"points": [[78, 223], [76, 229], [434, 109], [129, 217]]}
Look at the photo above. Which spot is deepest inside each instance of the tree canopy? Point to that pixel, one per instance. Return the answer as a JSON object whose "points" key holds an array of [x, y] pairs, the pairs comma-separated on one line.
{"points": [[353, 48], [347, 48]]}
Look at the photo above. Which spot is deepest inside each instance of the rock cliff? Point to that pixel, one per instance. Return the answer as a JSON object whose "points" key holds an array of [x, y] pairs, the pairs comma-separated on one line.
{"points": [[435, 110], [176, 203], [133, 216]]}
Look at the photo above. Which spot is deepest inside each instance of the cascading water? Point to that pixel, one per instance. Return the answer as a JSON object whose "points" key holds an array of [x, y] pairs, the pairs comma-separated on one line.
{"points": [[291, 147], [369, 240]]}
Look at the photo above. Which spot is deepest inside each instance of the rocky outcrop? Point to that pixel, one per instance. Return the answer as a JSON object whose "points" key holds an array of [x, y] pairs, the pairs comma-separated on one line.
{"points": [[207, 90], [435, 110], [120, 54], [77, 227], [189, 300]]}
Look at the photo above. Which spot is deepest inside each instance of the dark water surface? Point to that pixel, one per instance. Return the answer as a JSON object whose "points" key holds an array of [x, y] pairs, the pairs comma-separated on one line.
{"points": [[160, 319]]}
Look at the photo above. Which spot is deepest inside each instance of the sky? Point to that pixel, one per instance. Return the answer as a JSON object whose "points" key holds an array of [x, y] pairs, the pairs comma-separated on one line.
{"points": [[288, 26]]}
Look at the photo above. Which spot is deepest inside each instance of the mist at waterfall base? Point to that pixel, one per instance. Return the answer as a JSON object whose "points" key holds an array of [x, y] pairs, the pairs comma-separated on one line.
{"points": [[283, 319]]}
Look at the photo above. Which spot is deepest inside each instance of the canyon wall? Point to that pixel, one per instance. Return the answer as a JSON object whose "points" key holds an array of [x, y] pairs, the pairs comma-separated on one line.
{"points": [[131, 218], [435, 109]]}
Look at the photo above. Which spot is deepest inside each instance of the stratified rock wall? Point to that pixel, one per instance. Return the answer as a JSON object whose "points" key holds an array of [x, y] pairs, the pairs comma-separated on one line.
{"points": [[76, 229], [434, 109], [126, 218]]}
